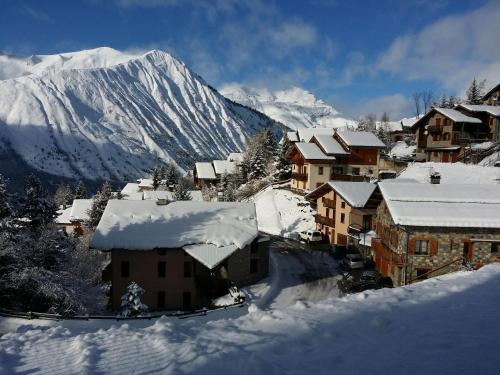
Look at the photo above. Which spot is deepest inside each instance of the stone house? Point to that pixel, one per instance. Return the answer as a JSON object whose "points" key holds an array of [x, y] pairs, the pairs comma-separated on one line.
{"points": [[343, 156], [182, 254], [345, 210], [425, 230], [442, 133]]}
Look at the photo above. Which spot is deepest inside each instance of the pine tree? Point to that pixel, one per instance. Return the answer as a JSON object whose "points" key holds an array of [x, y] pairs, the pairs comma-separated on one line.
{"points": [[36, 207], [181, 190], [475, 92], [157, 177], [99, 204], [258, 164], [131, 301], [283, 166], [172, 175], [80, 191], [5, 208], [444, 102], [63, 196]]}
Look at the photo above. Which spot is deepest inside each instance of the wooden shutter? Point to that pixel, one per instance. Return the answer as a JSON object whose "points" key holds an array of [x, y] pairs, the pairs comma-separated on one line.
{"points": [[433, 247], [411, 247]]}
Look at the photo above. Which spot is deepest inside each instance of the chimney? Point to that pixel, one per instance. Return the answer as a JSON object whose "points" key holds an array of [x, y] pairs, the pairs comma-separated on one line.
{"points": [[435, 178]]}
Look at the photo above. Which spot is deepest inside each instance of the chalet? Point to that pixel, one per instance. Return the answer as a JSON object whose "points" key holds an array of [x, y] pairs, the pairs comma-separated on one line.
{"points": [[492, 97], [222, 167], [345, 155], [132, 191], [204, 174], [72, 219], [488, 114], [345, 210], [182, 254], [442, 133], [305, 134], [425, 230], [145, 184]]}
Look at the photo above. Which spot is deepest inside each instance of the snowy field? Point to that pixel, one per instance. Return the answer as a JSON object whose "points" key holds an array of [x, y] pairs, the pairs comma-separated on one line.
{"points": [[283, 213], [445, 325]]}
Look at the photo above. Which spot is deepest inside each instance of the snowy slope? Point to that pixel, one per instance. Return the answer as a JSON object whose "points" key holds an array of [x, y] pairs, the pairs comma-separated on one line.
{"points": [[106, 114], [375, 332], [296, 108]]}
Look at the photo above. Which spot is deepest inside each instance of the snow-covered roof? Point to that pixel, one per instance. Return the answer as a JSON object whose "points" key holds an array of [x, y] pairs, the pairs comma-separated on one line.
{"points": [[224, 166], [311, 151], [408, 121], [235, 156], [305, 134], [452, 173], [491, 109], [80, 208], [145, 225], [210, 255], [63, 216], [457, 116], [360, 139], [205, 171], [436, 205], [330, 145], [168, 195], [130, 187], [292, 136], [146, 182], [354, 193], [138, 196]]}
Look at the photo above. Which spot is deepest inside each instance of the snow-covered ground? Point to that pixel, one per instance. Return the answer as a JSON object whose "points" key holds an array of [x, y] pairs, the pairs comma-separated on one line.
{"points": [[445, 325], [283, 213], [401, 149], [452, 173]]}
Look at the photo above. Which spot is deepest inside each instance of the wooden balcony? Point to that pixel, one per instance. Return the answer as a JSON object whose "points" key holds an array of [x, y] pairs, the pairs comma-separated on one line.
{"points": [[299, 176], [435, 129], [330, 203], [324, 220], [348, 177]]}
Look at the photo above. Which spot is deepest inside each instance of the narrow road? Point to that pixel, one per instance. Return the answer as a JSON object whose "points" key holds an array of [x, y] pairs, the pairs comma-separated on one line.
{"points": [[298, 272]]}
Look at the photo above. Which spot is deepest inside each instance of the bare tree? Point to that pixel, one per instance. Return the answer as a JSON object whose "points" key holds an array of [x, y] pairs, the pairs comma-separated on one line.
{"points": [[427, 98], [417, 96]]}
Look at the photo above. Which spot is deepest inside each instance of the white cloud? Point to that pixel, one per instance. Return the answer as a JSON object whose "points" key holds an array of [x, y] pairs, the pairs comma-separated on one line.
{"points": [[452, 50], [396, 105]]}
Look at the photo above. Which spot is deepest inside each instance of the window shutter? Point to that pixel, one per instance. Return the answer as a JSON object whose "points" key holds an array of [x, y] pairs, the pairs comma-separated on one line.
{"points": [[411, 247], [433, 247]]}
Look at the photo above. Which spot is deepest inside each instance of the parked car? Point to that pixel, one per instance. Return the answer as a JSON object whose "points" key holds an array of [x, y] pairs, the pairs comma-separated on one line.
{"points": [[370, 275], [311, 236], [353, 261]]}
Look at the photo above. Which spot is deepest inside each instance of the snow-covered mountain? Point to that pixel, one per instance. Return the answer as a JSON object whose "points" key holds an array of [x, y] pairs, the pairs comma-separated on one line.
{"points": [[296, 108], [102, 113]]}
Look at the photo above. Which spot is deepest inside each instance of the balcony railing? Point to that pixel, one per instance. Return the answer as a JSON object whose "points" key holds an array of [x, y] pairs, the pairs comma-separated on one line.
{"points": [[434, 128], [324, 220], [348, 177], [299, 176], [330, 203]]}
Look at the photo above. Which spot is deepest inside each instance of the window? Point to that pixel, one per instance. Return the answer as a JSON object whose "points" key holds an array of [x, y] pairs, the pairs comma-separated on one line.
{"points": [[125, 269], [160, 300], [338, 170], [254, 265], [342, 218], [327, 212], [320, 171], [162, 252], [438, 122], [186, 300], [305, 169], [355, 171], [254, 247], [422, 247], [187, 269], [494, 247], [342, 204], [162, 269]]}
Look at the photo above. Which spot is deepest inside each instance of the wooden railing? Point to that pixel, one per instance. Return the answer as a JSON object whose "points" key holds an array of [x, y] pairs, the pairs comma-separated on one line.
{"points": [[299, 176], [324, 220], [330, 203], [434, 128]]}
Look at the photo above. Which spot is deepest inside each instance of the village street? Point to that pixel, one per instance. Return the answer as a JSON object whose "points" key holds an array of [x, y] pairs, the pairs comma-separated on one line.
{"points": [[298, 272]]}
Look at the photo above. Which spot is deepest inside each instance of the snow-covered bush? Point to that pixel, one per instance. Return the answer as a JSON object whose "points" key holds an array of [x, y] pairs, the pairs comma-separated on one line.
{"points": [[131, 301]]}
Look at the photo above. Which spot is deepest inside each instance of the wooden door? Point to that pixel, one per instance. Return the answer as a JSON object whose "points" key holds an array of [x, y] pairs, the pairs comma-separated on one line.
{"points": [[445, 157], [468, 249]]}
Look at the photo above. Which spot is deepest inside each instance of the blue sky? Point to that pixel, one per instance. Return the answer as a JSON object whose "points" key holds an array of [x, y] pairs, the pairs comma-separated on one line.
{"points": [[360, 56]]}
